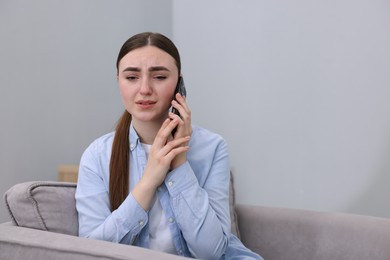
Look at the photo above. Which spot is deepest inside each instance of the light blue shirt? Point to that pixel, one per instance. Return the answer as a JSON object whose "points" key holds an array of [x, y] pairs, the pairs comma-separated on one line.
{"points": [[194, 198]]}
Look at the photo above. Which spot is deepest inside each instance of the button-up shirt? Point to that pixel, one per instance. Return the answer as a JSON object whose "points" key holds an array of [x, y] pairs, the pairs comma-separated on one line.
{"points": [[194, 198]]}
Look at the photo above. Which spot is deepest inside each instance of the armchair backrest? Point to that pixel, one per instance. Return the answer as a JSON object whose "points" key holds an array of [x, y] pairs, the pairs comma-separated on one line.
{"points": [[48, 206]]}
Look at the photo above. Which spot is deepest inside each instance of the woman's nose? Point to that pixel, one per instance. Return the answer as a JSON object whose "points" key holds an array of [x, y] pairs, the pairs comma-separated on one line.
{"points": [[145, 88]]}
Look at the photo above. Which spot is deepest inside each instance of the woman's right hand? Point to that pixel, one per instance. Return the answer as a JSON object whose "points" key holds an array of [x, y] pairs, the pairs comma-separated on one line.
{"points": [[164, 149]]}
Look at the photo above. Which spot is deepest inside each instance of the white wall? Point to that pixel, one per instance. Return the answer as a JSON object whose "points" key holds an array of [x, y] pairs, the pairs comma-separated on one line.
{"points": [[57, 78], [300, 90]]}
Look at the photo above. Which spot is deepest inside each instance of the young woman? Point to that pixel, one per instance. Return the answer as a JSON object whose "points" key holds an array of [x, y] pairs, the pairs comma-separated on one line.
{"points": [[143, 185]]}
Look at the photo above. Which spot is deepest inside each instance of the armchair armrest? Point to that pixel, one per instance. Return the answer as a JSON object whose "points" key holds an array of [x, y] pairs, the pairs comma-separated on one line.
{"points": [[25, 243], [278, 233]]}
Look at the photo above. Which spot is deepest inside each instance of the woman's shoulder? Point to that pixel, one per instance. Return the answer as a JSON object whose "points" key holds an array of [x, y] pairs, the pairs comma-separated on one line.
{"points": [[198, 130], [102, 143], [203, 135]]}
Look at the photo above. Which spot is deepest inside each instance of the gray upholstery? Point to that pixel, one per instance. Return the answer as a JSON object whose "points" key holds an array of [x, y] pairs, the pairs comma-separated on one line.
{"points": [[24, 243], [305, 235], [274, 233], [48, 206], [232, 202]]}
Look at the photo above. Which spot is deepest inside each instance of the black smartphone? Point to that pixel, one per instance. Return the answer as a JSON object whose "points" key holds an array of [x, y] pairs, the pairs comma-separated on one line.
{"points": [[180, 88]]}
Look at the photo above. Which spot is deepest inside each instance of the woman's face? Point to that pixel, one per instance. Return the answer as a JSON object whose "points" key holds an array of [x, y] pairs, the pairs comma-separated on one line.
{"points": [[147, 79]]}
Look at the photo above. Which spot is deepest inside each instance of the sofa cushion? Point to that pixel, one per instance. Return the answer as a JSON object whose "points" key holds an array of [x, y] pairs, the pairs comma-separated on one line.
{"points": [[48, 206]]}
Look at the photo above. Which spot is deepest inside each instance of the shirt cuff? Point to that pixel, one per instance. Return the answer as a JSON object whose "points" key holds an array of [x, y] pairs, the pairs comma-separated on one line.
{"points": [[180, 179], [132, 215]]}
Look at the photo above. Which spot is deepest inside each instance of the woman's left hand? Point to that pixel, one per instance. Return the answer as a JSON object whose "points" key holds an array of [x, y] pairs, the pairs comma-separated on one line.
{"points": [[184, 127]]}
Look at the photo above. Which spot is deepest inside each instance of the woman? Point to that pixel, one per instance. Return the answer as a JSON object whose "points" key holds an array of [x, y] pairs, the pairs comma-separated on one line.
{"points": [[145, 186]]}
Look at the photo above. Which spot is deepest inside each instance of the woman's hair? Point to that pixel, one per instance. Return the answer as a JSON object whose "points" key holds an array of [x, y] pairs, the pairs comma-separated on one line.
{"points": [[119, 162]]}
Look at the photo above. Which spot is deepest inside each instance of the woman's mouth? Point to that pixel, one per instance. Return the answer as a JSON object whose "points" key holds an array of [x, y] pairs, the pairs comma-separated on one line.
{"points": [[145, 104]]}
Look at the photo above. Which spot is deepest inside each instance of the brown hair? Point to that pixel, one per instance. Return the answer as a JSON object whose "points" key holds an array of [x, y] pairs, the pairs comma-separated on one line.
{"points": [[120, 154]]}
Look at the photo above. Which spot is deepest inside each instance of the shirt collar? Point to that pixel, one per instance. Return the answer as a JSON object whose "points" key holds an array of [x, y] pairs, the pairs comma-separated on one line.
{"points": [[133, 137]]}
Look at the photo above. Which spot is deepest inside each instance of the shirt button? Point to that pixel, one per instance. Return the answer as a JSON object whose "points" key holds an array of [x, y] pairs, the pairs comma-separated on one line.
{"points": [[170, 183], [180, 252], [171, 220], [132, 146], [141, 222]]}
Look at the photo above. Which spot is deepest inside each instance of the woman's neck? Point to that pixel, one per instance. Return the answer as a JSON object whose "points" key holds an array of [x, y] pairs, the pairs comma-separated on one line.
{"points": [[147, 131]]}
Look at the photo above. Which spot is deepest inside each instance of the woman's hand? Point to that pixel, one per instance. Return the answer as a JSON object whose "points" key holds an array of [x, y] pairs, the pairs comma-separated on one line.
{"points": [[163, 151], [184, 127]]}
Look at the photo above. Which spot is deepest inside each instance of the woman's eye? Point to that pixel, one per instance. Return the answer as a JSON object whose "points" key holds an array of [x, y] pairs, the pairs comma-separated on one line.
{"points": [[160, 77]]}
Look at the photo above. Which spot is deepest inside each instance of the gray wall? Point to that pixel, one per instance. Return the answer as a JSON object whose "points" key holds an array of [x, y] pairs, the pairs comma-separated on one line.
{"points": [[58, 78], [300, 90]]}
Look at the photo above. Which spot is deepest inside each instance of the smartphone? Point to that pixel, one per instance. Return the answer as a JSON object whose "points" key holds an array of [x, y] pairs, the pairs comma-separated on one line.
{"points": [[180, 88]]}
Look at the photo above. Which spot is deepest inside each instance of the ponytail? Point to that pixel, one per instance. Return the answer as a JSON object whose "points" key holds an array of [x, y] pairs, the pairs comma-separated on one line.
{"points": [[119, 163]]}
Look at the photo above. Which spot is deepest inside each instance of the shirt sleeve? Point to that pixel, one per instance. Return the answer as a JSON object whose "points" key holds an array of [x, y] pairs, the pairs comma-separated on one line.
{"points": [[92, 202], [202, 210]]}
